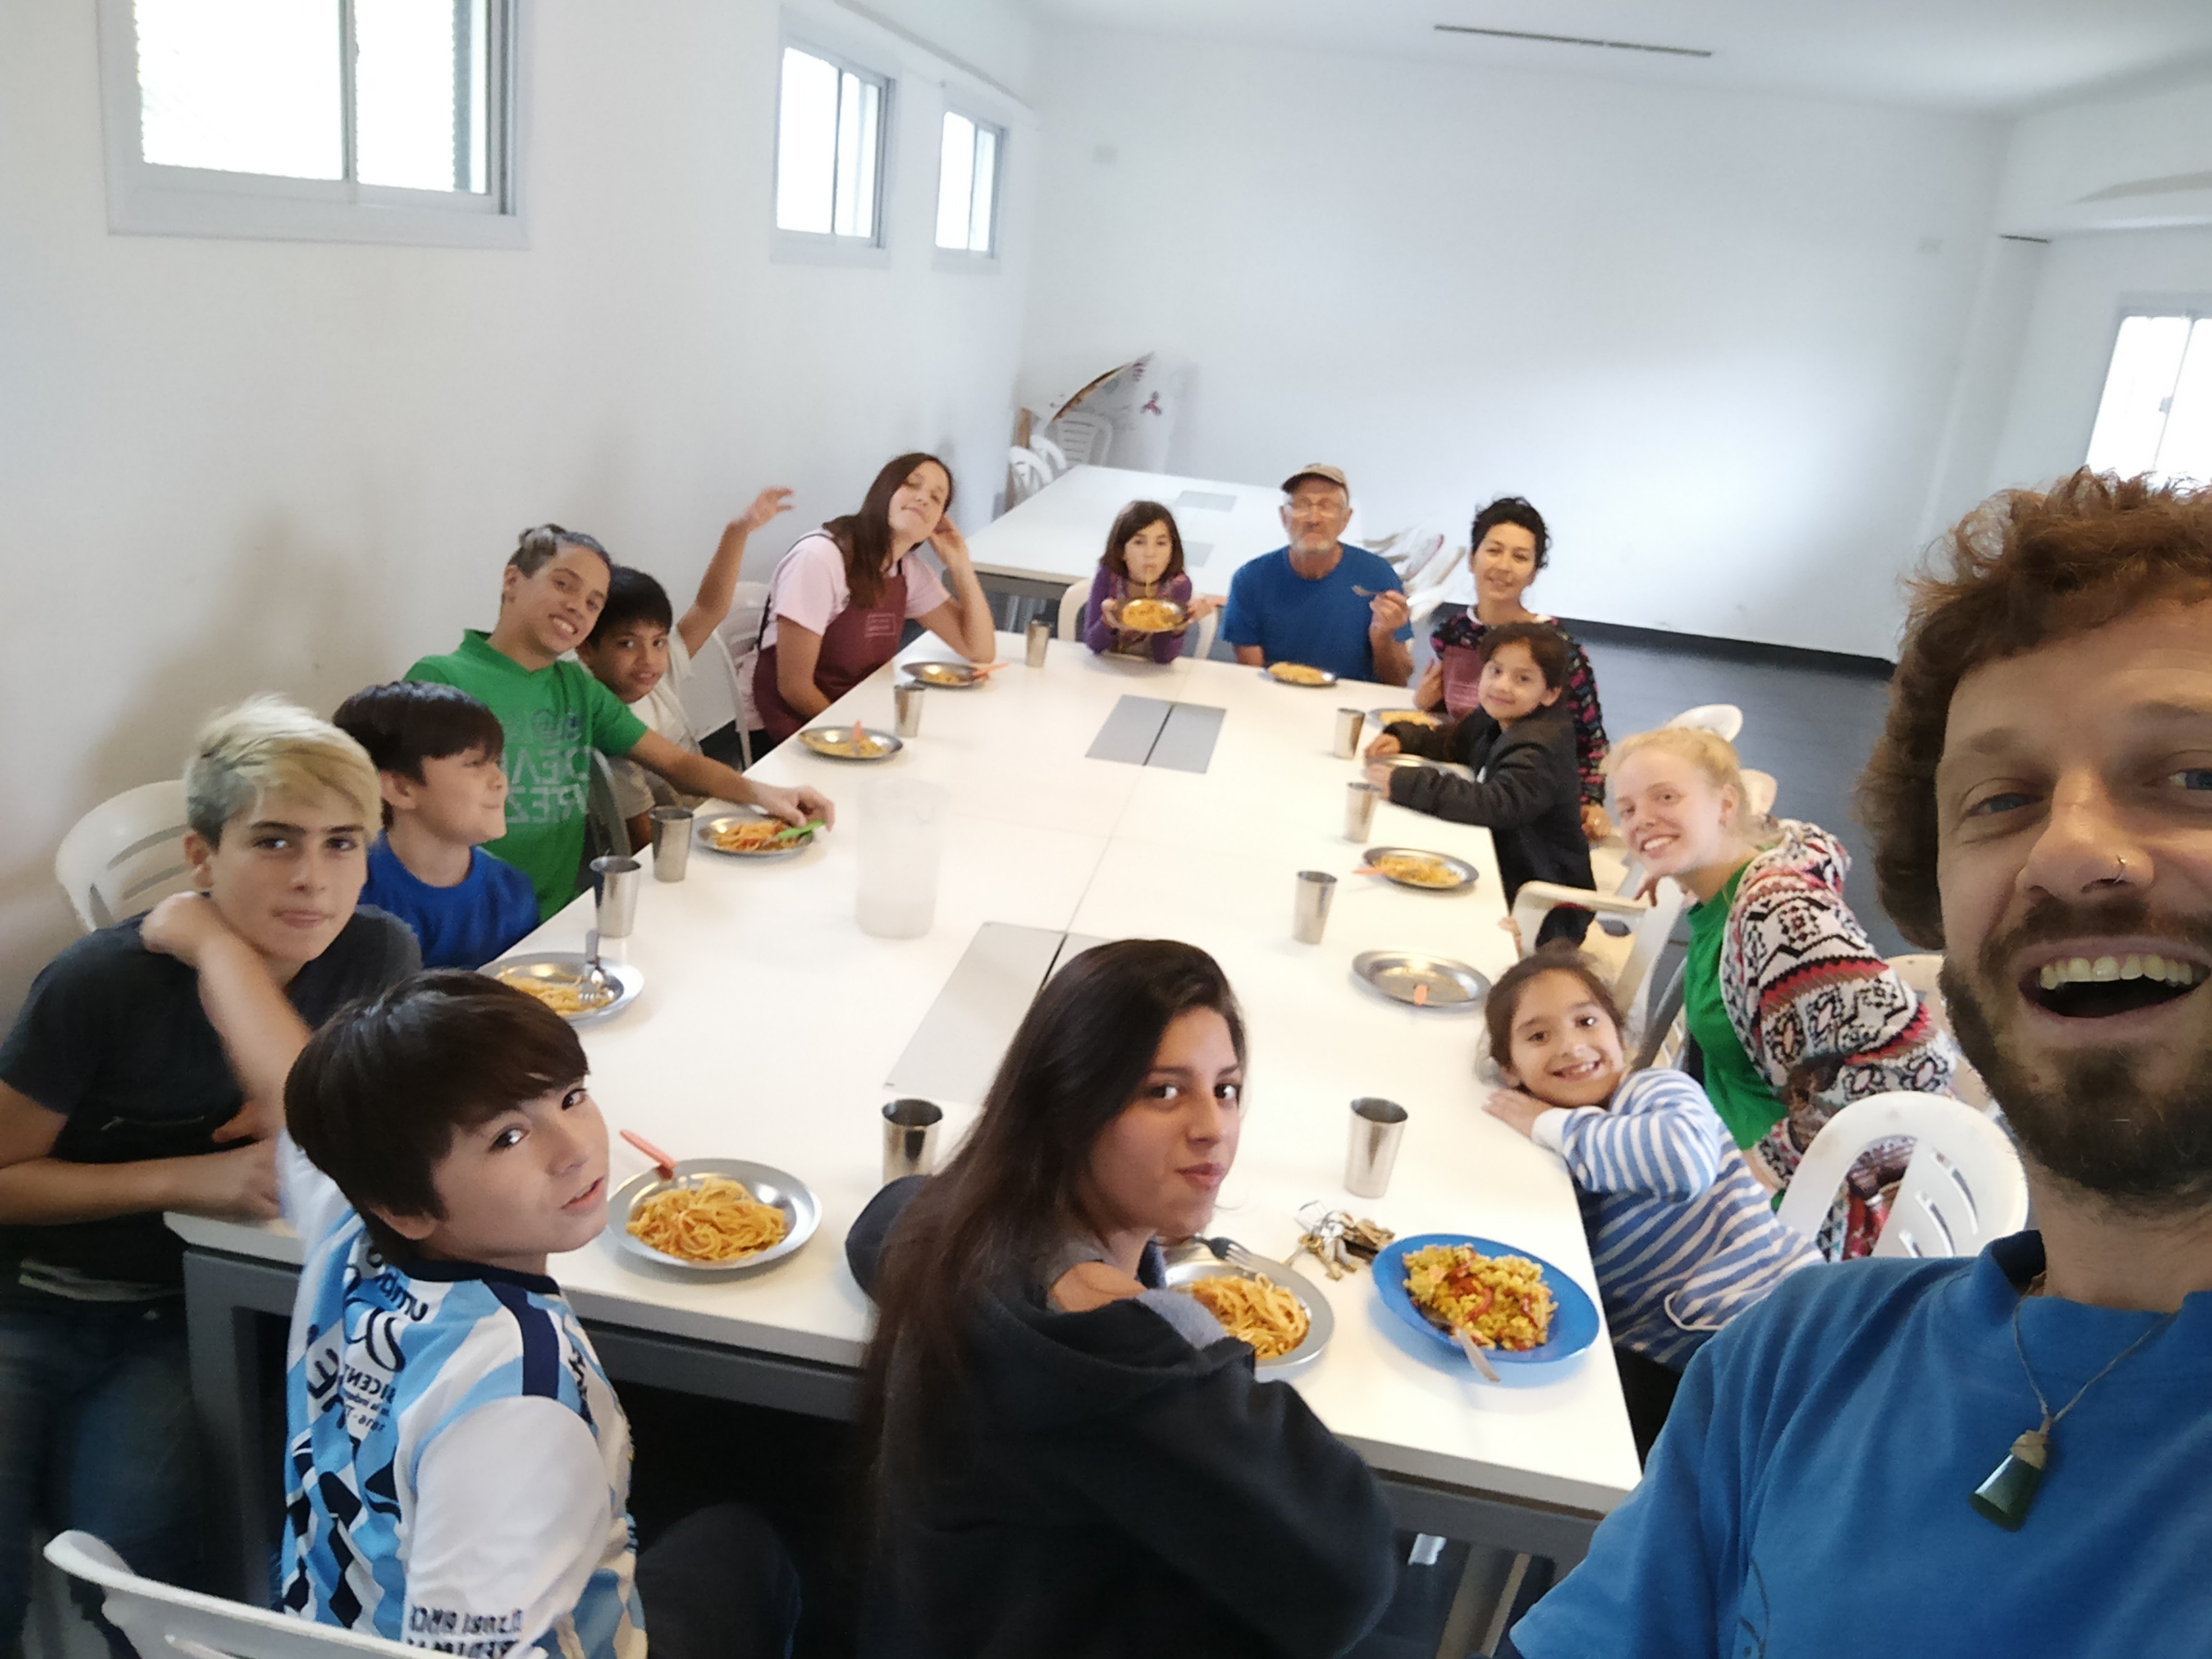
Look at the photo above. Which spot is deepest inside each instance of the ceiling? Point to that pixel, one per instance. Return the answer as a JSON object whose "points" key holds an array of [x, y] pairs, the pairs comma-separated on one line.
{"points": [[1993, 57]]}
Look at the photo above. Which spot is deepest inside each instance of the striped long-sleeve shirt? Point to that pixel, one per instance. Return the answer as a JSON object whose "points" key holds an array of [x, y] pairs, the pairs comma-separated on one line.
{"points": [[1682, 1235]]}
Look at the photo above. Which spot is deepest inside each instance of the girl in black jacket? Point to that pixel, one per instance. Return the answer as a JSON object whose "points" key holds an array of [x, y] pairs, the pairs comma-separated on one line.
{"points": [[1526, 790], [1068, 1459]]}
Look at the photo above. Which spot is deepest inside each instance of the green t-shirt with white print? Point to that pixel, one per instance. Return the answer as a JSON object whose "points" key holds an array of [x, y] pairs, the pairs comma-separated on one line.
{"points": [[553, 717]]}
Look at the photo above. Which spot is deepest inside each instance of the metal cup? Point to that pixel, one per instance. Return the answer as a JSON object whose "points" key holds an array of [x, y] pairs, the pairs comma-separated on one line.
{"points": [[1348, 722], [1377, 1127], [614, 887], [1360, 801], [906, 698], [671, 841], [1040, 635], [910, 1137], [1315, 888]]}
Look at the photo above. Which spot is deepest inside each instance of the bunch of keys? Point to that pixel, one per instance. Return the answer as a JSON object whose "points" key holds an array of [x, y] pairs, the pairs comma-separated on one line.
{"points": [[1338, 1240]]}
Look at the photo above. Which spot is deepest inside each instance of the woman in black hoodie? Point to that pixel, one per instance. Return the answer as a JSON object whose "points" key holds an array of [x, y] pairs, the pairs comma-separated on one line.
{"points": [[1068, 1459], [1520, 745]]}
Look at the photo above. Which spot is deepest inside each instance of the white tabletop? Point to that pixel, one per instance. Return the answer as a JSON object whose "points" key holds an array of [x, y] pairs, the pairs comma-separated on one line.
{"points": [[768, 1023], [1058, 534]]}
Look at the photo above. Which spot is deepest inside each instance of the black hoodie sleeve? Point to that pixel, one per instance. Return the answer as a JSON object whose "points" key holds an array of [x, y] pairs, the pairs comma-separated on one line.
{"points": [[1531, 770], [1237, 1485], [1428, 742]]}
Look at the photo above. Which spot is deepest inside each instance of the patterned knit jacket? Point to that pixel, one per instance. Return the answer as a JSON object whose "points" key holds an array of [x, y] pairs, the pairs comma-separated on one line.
{"points": [[1824, 1019]]}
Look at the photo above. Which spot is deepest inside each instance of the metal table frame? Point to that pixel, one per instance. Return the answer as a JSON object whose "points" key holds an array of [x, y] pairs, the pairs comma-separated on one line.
{"points": [[238, 1308]]}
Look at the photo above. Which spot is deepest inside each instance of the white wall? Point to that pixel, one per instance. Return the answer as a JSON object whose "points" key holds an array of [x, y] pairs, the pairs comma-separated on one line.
{"points": [[1715, 337], [2087, 283], [233, 466]]}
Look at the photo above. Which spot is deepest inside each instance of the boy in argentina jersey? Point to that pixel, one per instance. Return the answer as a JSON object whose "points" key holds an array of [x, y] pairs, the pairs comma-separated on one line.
{"points": [[457, 1463]]}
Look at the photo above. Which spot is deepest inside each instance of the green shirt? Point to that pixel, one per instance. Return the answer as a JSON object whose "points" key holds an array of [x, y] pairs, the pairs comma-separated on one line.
{"points": [[554, 717], [1738, 1092]]}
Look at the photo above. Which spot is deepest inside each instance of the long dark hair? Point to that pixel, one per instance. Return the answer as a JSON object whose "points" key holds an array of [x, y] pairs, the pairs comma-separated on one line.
{"points": [[1013, 1194], [865, 537], [1142, 515]]}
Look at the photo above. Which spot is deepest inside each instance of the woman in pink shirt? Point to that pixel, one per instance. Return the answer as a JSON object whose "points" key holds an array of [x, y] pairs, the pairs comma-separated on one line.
{"points": [[840, 597]]}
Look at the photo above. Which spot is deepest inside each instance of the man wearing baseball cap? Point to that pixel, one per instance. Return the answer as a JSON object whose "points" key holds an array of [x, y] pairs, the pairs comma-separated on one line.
{"points": [[1317, 601]]}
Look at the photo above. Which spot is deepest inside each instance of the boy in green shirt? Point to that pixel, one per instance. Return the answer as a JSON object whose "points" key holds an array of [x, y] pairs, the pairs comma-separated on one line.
{"points": [[554, 713]]}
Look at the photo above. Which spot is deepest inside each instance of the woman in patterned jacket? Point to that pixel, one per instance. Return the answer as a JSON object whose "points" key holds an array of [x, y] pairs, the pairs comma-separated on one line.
{"points": [[1794, 1011], [1510, 547]]}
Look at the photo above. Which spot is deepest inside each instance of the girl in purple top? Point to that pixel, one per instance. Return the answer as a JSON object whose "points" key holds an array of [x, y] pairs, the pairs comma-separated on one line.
{"points": [[1143, 560]]}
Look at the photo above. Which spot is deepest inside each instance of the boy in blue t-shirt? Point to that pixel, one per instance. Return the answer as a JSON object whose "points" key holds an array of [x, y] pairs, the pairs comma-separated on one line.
{"points": [[437, 753], [456, 1464]]}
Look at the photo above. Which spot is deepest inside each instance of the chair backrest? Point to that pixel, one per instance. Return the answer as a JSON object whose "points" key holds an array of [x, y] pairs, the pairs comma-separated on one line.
{"points": [[1070, 610], [1084, 439], [1723, 719], [741, 631], [124, 855], [606, 832], [1964, 1186], [1919, 969], [1200, 642], [1029, 471], [1761, 791], [1650, 924], [1050, 453], [709, 691], [161, 1620]]}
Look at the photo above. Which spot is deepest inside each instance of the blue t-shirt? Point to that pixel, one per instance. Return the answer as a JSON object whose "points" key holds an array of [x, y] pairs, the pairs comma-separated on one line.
{"points": [[1808, 1495], [464, 925], [1321, 623]]}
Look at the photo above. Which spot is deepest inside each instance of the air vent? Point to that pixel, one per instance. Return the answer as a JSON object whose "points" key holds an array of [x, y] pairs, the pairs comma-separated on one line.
{"points": [[1573, 40]]}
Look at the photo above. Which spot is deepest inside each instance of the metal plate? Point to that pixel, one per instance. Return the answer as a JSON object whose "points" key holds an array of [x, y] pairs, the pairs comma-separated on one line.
{"points": [[815, 736], [1405, 717], [1574, 1316], [1176, 616], [1465, 872], [567, 968], [802, 1214], [1453, 987], [1193, 1260], [943, 676], [703, 834], [1273, 671]]}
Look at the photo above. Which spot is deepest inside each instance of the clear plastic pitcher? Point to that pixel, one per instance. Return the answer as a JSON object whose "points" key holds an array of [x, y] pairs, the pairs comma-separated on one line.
{"points": [[901, 835]]}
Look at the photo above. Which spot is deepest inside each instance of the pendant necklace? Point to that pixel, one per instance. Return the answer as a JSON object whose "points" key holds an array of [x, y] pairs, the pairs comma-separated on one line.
{"points": [[2009, 1493]]}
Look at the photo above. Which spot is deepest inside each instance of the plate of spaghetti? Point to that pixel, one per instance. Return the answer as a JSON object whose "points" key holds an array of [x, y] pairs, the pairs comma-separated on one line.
{"points": [[1520, 1308], [1383, 717], [1430, 872], [560, 981], [1152, 615], [719, 1215], [1285, 1321], [743, 836], [1298, 673], [848, 742]]}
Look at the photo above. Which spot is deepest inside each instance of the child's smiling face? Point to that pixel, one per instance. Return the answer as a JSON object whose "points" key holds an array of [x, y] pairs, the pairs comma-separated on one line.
{"points": [[1565, 1049], [628, 660], [1147, 553], [555, 606], [1512, 687]]}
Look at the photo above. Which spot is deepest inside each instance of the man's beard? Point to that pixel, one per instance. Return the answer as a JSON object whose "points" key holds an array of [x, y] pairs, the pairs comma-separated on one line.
{"points": [[2090, 1116]]}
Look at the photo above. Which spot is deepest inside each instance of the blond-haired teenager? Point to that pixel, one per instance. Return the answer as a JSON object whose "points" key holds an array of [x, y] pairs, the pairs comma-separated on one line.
{"points": [[145, 1072]]}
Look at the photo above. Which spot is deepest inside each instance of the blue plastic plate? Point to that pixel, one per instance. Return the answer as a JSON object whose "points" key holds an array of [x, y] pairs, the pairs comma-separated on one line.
{"points": [[1574, 1316]]}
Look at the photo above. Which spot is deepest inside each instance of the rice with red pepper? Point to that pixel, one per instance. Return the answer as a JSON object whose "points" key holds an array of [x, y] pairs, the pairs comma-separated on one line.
{"points": [[1500, 1300]]}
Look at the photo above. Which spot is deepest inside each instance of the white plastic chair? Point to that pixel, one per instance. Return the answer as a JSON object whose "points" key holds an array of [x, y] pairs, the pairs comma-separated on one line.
{"points": [[1918, 971], [740, 635], [1629, 961], [1070, 610], [709, 691], [1084, 439], [161, 1620], [1722, 719], [1760, 792], [1029, 473], [1050, 453], [126, 855], [1964, 1186]]}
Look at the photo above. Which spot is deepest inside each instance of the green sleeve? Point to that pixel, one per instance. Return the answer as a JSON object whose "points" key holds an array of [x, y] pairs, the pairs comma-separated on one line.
{"points": [[433, 669], [609, 726]]}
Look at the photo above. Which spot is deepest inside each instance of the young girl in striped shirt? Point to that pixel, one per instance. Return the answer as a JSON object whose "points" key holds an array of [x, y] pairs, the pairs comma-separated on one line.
{"points": [[1682, 1235]]}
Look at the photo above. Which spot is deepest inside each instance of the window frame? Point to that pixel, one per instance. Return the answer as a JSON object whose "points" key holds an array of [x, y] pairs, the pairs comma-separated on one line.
{"points": [[147, 198], [962, 258], [2195, 309], [827, 246]]}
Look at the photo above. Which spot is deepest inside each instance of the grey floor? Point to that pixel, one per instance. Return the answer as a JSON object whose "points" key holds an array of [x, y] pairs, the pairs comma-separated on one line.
{"points": [[1809, 723]]}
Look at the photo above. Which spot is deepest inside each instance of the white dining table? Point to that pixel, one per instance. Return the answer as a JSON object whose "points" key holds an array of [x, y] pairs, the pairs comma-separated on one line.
{"points": [[1055, 537], [769, 1025]]}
